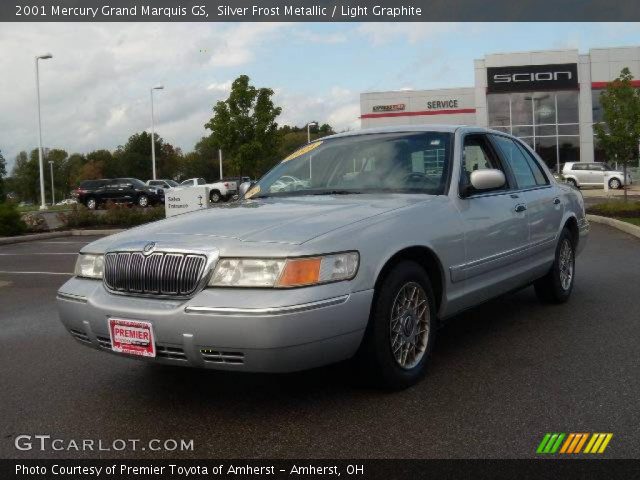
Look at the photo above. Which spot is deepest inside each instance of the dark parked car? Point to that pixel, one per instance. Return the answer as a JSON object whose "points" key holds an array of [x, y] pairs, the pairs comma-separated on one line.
{"points": [[92, 193]]}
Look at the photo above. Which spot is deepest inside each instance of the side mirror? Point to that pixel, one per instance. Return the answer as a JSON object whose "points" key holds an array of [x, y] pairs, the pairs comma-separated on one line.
{"points": [[244, 188], [488, 179]]}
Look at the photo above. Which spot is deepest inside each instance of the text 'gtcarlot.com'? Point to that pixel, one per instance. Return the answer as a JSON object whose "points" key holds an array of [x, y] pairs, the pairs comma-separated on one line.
{"points": [[45, 443]]}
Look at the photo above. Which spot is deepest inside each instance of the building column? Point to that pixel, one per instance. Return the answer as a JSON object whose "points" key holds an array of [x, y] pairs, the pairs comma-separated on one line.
{"points": [[585, 109]]}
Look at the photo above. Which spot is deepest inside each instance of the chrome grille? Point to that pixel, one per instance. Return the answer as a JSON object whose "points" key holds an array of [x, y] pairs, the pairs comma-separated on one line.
{"points": [[160, 273]]}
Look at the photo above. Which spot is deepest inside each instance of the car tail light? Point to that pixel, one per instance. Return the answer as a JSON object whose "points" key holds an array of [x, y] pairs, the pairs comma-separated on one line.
{"points": [[226, 184]]}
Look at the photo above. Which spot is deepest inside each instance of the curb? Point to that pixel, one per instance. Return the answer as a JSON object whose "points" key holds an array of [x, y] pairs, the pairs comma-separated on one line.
{"points": [[44, 236], [619, 224]]}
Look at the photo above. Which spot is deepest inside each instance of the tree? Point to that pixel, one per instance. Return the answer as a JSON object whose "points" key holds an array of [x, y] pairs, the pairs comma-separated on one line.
{"points": [[292, 138], [3, 173], [620, 133], [244, 127], [26, 176]]}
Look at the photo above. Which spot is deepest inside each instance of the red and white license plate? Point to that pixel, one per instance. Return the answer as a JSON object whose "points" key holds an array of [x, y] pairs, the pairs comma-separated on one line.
{"points": [[132, 336]]}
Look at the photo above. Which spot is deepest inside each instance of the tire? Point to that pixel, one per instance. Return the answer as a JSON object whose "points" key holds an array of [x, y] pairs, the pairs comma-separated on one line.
{"points": [[615, 184], [386, 356], [143, 201], [556, 286], [572, 182], [215, 196], [91, 203]]}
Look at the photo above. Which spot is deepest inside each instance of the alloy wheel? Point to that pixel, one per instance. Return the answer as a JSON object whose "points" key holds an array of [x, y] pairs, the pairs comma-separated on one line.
{"points": [[566, 264], [409, 325]]}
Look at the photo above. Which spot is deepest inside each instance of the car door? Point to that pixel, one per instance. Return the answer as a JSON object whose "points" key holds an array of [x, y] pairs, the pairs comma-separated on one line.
{"points": [[579, 171], [111, 192], [596, 174], [495, 226], [540, 197]]}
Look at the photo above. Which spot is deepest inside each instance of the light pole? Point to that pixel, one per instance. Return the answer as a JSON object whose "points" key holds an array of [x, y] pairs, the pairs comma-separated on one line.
{"points": [[153, 141], [309, 125], [53, 195], [46, 56]]}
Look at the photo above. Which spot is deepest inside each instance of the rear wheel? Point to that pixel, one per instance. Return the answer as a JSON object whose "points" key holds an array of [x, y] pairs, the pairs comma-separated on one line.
{"points": [[556, 286], [615, 184], [91, 203], [572, 182], [401, 329]]}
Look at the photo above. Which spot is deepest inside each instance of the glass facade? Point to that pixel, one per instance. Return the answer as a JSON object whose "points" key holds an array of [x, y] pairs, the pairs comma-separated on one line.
{"points": [[547, 121]]}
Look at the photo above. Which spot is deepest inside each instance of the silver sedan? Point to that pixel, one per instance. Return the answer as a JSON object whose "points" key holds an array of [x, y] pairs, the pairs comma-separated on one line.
{"points": [[387, 234]]}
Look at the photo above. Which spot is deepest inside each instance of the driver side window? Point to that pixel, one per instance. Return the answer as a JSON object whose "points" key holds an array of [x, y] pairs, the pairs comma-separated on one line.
{"points": [[477, 155]]}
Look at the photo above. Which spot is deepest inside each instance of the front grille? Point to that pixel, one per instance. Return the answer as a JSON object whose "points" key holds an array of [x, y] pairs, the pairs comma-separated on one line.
{"points": [[162, 351], [78, 335], [216, 356], [160, 273]]}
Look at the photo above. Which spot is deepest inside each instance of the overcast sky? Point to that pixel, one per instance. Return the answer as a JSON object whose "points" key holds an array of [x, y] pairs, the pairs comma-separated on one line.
{"points": [[95, 91]]}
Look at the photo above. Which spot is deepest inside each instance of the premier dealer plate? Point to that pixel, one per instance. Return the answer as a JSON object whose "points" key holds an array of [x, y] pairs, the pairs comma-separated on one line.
{"points": [[133, 337]]}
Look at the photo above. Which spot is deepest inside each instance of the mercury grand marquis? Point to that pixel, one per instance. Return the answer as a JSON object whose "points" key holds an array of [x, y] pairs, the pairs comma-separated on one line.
{"points": [[357, 245]]}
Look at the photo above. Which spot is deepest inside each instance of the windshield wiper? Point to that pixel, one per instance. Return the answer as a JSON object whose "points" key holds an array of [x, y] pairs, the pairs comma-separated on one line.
{"points": [[335, 192]]}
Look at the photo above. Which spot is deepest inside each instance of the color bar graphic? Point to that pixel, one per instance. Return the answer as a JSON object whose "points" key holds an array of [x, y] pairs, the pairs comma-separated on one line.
{"points": [[573, 443]]}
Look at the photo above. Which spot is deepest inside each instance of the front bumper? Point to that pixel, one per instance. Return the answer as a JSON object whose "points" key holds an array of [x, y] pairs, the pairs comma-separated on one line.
{"points": [[274, 331]]}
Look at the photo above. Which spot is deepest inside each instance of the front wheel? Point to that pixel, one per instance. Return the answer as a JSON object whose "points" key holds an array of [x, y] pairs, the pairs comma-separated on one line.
{"points": [[556, 286], [143, 201], [615, 184], [401, 330]]}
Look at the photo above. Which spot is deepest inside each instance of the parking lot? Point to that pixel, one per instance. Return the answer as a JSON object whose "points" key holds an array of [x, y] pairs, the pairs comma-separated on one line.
{"points": [[501, 376]]}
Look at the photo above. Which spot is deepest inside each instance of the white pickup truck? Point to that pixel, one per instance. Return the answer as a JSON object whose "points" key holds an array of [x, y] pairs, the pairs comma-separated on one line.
{"points": [[222, 190]]}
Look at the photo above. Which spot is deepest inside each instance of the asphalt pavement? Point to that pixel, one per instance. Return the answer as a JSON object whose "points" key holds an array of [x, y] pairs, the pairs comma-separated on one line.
{"points": [[501, 376]]}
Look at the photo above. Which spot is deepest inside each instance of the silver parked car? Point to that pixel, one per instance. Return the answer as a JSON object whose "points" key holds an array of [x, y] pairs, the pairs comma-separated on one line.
{"points": [[583, 174], [389, 233]]}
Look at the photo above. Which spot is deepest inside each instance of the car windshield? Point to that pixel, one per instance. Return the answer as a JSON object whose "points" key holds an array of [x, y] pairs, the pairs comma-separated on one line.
{"points": [[171, 183], [135, 182], [406, 162]]}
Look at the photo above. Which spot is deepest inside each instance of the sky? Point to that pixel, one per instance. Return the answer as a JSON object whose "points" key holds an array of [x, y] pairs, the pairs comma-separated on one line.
{"points": [[95, 90]]}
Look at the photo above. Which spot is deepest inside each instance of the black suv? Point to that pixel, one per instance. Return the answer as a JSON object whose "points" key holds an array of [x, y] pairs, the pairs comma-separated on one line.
{"points": [[92, 193]]}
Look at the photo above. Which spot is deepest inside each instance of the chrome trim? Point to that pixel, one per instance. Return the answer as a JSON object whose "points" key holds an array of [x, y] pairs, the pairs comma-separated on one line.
{"points": [[189, 268], [483, 265], [71, 297], [303, 307]]}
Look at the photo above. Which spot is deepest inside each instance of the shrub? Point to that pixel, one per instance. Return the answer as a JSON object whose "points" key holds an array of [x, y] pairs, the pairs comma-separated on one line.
{"points": [[114, 216], [616, 208], [10, 221]]}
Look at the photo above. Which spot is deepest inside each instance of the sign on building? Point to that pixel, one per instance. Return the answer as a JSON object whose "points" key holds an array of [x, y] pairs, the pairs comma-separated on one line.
{"points": [[187, 199], [531, 78]]}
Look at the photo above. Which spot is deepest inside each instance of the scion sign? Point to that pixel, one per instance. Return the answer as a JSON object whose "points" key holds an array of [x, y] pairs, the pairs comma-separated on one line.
{"points": [[532, 78]]}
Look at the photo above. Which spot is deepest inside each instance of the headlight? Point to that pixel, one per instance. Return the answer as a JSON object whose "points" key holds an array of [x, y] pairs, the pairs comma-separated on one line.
{"points": [[89, 266], [284, 273]]}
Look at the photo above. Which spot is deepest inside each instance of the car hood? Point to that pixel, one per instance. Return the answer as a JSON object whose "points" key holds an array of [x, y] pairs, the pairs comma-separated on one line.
{"points": [[290, 220]]}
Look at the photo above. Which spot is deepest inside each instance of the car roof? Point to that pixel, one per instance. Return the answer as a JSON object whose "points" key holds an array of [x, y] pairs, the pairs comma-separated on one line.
{"points": [[415, 128]]}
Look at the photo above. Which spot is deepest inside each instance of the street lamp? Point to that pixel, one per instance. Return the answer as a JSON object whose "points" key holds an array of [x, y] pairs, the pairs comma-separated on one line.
{"points": [[53, 195], [46, 56], [153, 142], [311, 124]]}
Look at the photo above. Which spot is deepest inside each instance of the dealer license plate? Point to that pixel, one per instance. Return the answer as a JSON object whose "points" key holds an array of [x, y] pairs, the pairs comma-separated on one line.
{"points": [[133, 337]]}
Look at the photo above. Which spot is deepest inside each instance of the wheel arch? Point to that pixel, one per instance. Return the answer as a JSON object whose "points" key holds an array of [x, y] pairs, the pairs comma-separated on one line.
{"points": [[427, 259], [571, 223]]}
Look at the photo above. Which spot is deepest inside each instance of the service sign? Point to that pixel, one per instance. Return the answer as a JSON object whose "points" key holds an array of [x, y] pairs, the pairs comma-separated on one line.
{"points": [[186, 199], [531, 78]]}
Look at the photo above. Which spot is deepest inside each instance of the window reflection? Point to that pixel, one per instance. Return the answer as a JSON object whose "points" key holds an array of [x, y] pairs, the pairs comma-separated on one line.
{"points": [[548, 121]]}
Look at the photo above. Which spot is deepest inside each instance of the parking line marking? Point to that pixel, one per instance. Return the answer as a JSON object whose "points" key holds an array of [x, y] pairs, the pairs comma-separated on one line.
{"points": [[36, 253], [37, 273]]}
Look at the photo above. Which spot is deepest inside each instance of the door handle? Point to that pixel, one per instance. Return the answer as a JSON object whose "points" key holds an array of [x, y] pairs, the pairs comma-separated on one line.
{"points": [[556, 201], [520, 208]]}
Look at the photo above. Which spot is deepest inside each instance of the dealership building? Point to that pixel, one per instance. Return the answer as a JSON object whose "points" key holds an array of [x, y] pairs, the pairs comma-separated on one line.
{"points": [[549, 99]]}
